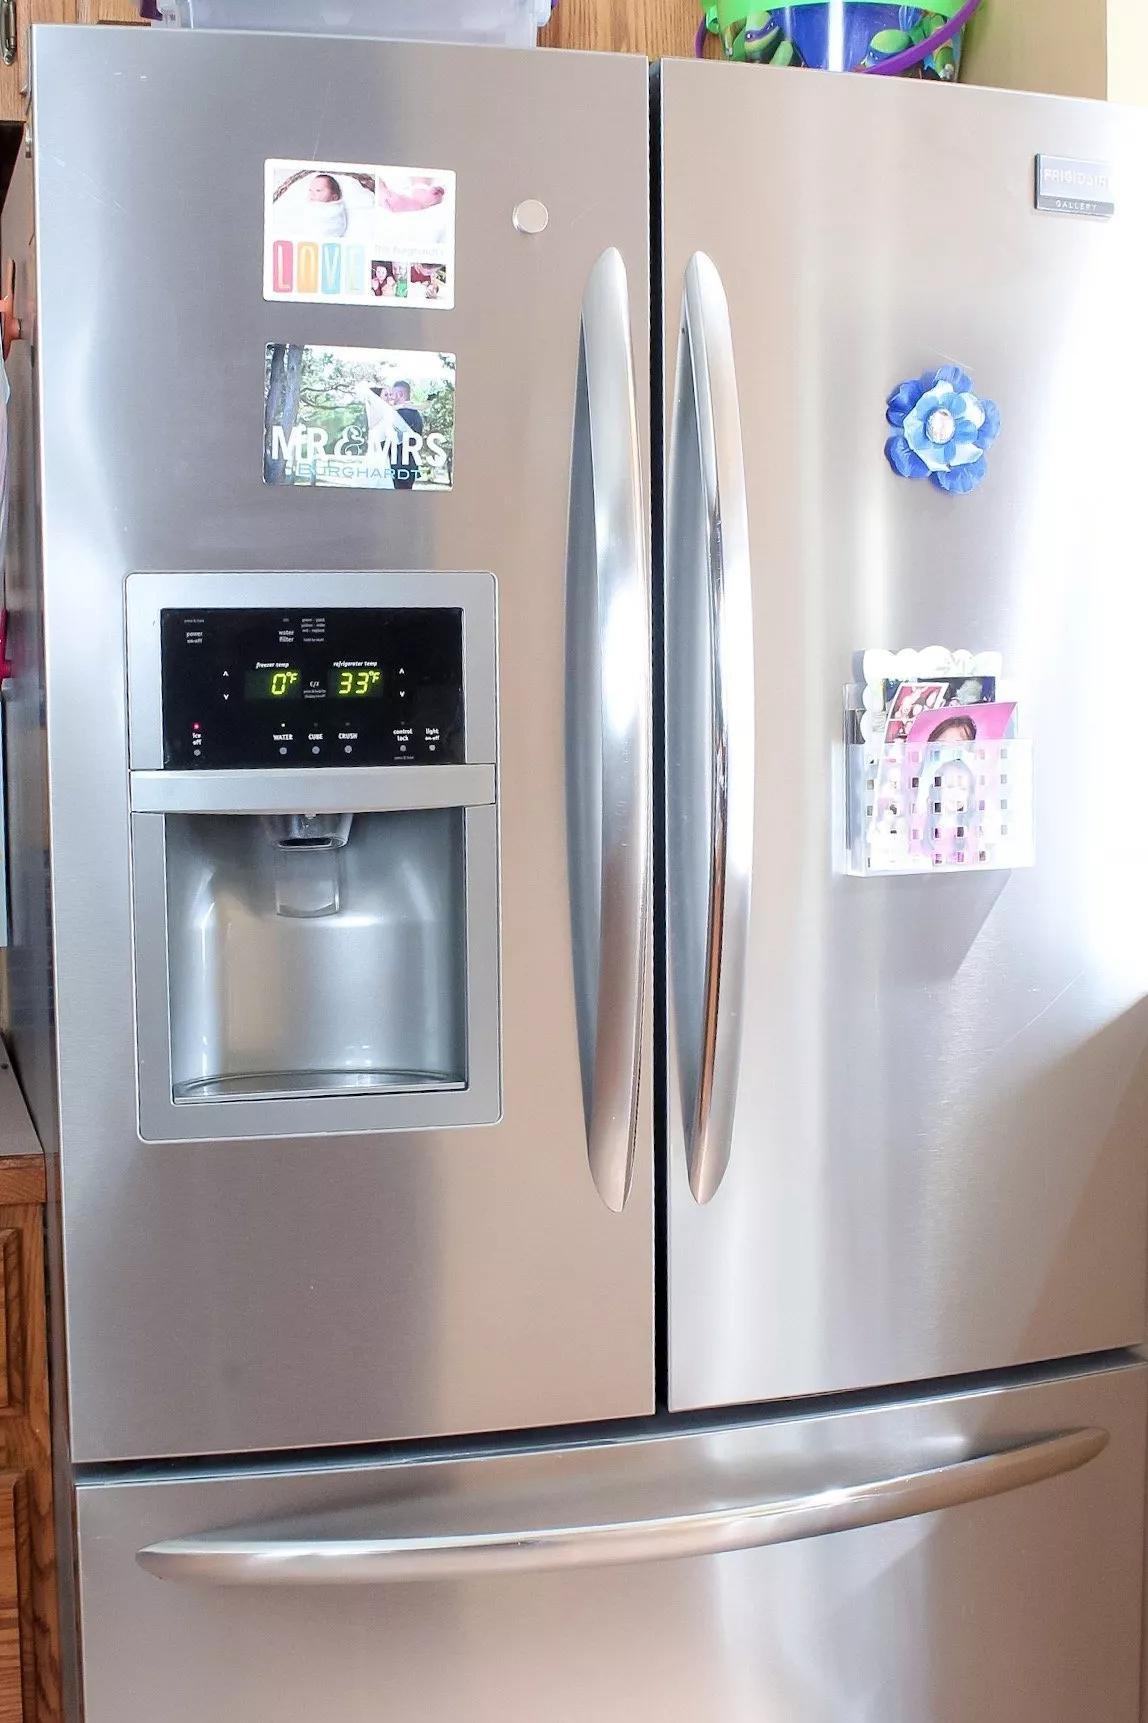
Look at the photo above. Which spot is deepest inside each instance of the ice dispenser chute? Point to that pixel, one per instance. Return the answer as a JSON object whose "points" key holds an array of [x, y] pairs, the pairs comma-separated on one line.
{"points": [[315, 889], [308, 861]]}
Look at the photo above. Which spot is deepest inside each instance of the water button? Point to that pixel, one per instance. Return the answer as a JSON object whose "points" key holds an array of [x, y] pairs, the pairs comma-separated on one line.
{"points": [[282, 750]]}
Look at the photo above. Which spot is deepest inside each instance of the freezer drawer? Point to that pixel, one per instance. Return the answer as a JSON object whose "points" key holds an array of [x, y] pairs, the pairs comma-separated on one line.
{"points": [[554, 1587]]}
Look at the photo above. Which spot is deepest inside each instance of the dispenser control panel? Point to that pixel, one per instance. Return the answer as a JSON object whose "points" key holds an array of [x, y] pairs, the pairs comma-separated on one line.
{"points": [[244, 688]]}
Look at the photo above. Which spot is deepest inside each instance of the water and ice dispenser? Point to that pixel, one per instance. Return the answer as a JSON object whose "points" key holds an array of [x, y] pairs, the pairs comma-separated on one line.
{"points": [[314, 852]]}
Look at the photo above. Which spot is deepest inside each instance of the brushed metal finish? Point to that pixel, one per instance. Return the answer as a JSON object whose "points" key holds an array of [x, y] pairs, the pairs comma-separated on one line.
{"points": [[705, 1523], [708, 545], [208, 975], [1023, 1608], [361, 789], [621, 893], [938, 1152], [325, 972], [418, 1281]]}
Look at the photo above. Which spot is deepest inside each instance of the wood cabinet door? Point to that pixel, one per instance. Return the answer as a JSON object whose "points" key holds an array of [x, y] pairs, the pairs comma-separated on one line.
{"points": [[11, 1665]]}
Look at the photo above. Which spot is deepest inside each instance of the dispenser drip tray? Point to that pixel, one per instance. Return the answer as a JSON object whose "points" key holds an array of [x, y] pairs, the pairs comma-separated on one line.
{"points": [[298, 1085]]}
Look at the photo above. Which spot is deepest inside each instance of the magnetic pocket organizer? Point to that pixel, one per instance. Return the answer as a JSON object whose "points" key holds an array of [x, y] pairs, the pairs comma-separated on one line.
{"points": [[917, 807]]}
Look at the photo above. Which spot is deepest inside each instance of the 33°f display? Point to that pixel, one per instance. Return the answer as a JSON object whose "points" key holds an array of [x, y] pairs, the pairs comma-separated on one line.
{"points": [[364, 684]]}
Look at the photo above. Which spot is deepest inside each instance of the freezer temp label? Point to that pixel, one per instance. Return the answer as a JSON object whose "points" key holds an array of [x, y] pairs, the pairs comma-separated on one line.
{"points": [[341, 233], [359, 418]]}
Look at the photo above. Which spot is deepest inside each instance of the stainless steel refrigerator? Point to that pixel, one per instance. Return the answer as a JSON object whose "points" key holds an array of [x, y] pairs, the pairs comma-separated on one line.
{"points": [[556, 1214]]}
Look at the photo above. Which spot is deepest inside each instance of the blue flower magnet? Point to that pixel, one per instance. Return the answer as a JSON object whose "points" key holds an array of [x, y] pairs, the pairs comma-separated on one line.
{"points": [[943, 430]]}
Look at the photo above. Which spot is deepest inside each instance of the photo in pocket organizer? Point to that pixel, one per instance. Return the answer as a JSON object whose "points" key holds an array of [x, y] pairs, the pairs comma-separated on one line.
{"points": [[939, 781]]}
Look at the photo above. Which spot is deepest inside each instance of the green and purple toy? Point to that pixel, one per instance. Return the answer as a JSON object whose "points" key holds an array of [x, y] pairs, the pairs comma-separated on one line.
{"points": [[845, 35]]}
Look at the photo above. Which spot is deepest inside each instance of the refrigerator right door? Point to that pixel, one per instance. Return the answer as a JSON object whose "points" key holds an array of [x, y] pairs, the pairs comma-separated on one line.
{"points": [[907, 1093]]}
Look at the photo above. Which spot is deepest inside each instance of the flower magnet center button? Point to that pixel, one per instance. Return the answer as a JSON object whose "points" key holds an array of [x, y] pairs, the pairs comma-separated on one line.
{"points": [[940, 426]]}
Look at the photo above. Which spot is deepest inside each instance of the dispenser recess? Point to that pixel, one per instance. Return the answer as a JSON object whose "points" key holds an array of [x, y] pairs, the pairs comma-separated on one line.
{"points": [[314, 842]]}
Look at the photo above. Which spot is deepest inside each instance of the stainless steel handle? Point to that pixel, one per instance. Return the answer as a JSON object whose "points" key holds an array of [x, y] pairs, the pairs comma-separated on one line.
{"points": [[349, 790], [707, 442], [613, 1035], [8, 32], [227, 1558]]}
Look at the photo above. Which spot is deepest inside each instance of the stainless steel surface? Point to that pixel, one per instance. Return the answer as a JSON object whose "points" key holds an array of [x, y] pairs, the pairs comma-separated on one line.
{"points": [[1023, 1608], [938, 1151], [419, 1280], [362, 962], [711, 719], [231, 994], [559, 1535], [619, 919], [149, 593], [362, 789]]}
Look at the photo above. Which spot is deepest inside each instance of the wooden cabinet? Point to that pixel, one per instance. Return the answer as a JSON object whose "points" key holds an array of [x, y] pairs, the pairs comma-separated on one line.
{"points": [[16, 18], [659, 28], [107, 12], [29, 1631]]}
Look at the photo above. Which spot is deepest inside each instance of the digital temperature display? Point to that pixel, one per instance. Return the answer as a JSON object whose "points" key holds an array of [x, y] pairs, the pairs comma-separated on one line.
{"points": [[288, 688], [365, 683], [276, 683]]}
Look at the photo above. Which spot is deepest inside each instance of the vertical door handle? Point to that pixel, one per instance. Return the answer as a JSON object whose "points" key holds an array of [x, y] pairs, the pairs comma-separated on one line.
{"points": [[608, 729], [8, 31], [710, 726]]}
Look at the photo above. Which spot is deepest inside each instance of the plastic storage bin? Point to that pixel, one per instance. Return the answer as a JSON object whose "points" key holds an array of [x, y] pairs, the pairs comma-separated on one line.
{"points": [[507, 23]]}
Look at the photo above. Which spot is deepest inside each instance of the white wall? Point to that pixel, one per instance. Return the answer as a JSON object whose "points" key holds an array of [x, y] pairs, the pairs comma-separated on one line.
{"points": [[1069, 47]]}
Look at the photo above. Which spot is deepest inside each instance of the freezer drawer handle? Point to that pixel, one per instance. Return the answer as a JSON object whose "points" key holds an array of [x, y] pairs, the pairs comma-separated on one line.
{"points": [[705, 1525], [709, 526], [609, 719]]}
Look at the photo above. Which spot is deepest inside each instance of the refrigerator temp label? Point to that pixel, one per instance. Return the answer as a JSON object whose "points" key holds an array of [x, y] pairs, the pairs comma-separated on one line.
{"points": [[358, 418], [340, 233], [1066, 186]]}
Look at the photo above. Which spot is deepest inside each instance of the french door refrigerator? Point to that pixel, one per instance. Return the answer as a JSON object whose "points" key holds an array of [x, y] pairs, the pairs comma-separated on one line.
{"points": [[548, 1224]]}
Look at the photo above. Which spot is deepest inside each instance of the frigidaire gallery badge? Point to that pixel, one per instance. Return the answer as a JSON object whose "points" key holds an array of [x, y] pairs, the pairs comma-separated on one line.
{"points": [[1069, 187]]}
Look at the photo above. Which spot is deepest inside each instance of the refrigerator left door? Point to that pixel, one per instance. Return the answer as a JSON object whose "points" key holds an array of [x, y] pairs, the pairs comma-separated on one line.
{"points": [[479, 223]]}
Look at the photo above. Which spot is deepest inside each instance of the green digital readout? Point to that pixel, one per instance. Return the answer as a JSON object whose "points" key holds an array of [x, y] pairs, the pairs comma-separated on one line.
{"points": [[280, 683], [361, 684]]}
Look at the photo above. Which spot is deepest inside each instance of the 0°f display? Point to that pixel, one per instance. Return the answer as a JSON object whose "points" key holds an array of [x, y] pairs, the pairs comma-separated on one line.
{"points": [[285, 682]]}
